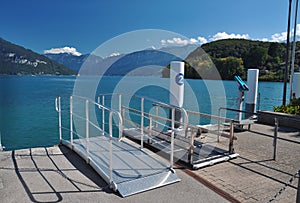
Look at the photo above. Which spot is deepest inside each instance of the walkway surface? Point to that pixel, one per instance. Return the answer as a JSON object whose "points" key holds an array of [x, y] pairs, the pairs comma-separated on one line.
{"points": [[57, 174], [255, 176]]}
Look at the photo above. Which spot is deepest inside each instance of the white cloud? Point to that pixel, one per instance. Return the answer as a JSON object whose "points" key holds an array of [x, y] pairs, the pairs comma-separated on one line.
{"points": [[279, 37], [202, 40], [224, 35], [68, 50], [114, 54], [183, 42]]}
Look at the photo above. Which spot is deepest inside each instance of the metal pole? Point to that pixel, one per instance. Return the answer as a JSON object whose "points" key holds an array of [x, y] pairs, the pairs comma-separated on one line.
{"points": [[172, 139], [150, 131], [103, 115], [275, 138], [110, 148], [59, 118], [231, 149], [87, 129], [71, 120], [142, 122], [293, 52], [298, 191], [156, 114], [286, 70], [219, 115]]}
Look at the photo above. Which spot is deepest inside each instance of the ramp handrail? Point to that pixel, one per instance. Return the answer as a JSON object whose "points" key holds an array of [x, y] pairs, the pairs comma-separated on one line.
{"points": [[143, 98], [87, 123]]}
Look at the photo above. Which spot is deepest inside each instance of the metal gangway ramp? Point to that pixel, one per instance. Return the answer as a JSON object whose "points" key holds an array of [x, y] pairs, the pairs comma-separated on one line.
{"points": [[123, 164], [153, 123]]}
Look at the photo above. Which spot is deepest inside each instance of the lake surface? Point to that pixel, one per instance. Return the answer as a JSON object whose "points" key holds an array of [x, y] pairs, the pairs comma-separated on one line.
{"points": [[28, 117]]}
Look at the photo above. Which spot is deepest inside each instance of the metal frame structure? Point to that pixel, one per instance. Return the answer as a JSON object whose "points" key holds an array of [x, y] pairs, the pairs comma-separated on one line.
{"points": [[124, 166]]}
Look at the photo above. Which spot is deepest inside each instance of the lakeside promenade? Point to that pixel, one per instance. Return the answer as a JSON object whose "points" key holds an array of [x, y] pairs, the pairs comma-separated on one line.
{"points": [[57, 174]]}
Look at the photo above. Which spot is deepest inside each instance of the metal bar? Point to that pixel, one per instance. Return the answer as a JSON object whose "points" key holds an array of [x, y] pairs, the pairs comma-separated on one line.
{"points": [[87, 129], [150, 130], [231, 136], [293, 53], [110, 149], [103, 115], [58, 109], [219, 123], [120, 103], [298, 190], [275, 139], [71, 120], [191, 149], [142, 123], [156, 114], [172, 139]]}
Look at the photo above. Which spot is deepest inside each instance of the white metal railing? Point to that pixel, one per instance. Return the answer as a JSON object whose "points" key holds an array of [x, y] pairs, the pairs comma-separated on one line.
{"points": [[145, 115], [88, 122]]}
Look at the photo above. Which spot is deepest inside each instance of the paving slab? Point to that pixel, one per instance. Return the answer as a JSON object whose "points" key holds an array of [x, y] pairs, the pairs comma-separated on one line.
{"points": [[57, 174], [255, 176]]}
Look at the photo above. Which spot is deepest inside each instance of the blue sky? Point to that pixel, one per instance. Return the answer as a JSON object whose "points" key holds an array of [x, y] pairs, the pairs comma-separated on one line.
{"points": [[85, 24]]}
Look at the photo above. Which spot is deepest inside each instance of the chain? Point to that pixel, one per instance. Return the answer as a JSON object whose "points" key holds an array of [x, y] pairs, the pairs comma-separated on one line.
{"points": [[284, 187]]}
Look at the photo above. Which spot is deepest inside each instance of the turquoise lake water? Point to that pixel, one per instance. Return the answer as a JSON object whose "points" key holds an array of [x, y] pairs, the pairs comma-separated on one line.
{"points": [[28, 117]]}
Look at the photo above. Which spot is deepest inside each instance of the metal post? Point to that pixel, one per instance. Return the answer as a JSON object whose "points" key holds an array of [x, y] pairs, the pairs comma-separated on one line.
{"points": [[293, 53], [219, 115], [258, 102], [275, 138], [87, 129], [191, 149], [287, 55], [71, 120], [298, 191], [110, 148], [150, 130], [120, 102], [142, 122], [103, 115], [231, 149], [156, 114], [172, 138], [58, 109]]}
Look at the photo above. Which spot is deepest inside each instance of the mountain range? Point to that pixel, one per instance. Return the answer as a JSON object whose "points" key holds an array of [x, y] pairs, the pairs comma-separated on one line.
{"points": [[17, 60]]}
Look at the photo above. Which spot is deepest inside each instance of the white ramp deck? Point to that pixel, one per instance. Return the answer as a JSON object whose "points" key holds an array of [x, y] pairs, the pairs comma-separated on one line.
{"points": [[133, 170]]}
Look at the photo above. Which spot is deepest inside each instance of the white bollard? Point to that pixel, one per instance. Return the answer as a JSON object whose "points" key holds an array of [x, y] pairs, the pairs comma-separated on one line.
{"points": [[252, 82], [177, 87], [296, 86]]}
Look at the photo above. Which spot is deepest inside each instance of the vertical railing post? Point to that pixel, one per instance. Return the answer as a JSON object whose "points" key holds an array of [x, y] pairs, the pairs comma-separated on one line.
{"points": [[219, 123], [231, 136], [172, 138], [150, 130], [142, 122], [71, 120], [191, 148], [103, 115], [120, 103], [110, 148], [275, 138], [298, 190], [87, 129], [156, 114], [58, 109]]}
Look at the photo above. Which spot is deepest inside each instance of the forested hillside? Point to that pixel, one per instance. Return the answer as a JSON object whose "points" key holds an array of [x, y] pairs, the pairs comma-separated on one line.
{"points": [[234, 56]]}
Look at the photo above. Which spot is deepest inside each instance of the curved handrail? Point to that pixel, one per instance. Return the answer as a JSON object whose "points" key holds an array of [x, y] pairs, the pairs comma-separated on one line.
{"points": [[118, 114]]}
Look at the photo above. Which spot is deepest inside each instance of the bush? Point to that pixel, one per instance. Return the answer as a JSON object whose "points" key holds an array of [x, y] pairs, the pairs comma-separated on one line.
{"points": [[292, 108]]}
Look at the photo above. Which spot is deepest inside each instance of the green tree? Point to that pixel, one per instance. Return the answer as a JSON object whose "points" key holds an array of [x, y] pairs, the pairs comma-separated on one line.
{"points": [[256, 57], [229, 67]]}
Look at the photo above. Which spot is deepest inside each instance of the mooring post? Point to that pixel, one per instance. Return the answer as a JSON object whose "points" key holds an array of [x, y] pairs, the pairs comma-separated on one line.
{"points": [[275, 138]]}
